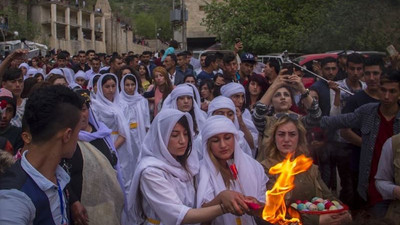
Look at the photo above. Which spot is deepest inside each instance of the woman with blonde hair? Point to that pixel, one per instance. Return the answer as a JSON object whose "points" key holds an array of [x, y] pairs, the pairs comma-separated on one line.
{"points": [[158, 92], [288, 136]]}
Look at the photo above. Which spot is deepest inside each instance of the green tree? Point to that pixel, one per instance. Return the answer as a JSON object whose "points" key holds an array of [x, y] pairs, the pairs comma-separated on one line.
{"points": [[304, 26], [24, 27], [148, 16]]}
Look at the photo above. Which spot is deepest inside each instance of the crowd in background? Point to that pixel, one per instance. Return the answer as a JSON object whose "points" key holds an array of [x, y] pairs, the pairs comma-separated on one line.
{"points": [[159, 133]]}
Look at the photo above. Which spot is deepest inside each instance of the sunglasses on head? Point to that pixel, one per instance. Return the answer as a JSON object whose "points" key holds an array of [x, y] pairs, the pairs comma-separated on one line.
{"points": [[292, 116]]}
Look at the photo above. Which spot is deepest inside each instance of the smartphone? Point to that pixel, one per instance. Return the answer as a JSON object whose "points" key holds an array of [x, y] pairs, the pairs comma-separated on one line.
{"points": [[237, 40], [289, 67], [32, 53]]}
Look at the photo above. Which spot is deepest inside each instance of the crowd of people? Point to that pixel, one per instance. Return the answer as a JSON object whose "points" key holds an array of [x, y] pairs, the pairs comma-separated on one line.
{"points": [[168, 139]]}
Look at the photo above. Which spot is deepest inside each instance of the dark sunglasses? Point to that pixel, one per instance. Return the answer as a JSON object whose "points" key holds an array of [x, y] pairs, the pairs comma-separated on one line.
{"points": [[292, 116]]}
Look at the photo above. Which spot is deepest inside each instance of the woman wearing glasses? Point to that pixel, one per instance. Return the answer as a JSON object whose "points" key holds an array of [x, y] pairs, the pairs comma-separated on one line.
{"points": [[288, 136], [279, 98]]}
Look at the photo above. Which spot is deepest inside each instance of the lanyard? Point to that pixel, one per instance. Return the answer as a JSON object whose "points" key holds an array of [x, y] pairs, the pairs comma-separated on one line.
{"points": [[60, 194]]}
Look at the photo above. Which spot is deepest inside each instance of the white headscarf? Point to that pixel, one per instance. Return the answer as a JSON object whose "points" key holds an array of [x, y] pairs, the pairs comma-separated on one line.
{"points": [[184, 90], [111, 112], [31, 72], [56, 71], [232, 88], [155, 154], [69, 76], [24, 65], [222, 102], [250, 172], [90, 86], [137, 102], [81, 74], [197, 96]]}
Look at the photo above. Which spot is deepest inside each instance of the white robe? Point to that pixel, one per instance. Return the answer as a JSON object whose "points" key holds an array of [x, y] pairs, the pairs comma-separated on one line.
{"points": [[138, 115], [112, 115], [162, 190], [251, 174]]}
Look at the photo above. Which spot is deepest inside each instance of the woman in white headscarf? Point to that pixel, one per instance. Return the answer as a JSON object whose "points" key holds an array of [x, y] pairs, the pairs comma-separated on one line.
{"points": [[221, 152], [92, 85], [80, 78], [183, 98], [138, 110], [163, 187], [107, 108], [24, 67], [237, 93], [224, 106], [69, 76]]}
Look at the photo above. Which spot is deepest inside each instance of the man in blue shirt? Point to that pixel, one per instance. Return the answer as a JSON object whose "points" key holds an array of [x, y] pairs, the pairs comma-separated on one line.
{"points": [[210, 66], [31, 191]]}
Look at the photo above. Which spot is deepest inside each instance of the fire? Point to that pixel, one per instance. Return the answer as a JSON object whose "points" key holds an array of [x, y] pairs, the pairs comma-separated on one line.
{"points": [[275, 207]]}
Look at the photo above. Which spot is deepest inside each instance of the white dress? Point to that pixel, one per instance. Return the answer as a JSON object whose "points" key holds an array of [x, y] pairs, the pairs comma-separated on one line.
{"points": [[169, 198], [251, 174]]}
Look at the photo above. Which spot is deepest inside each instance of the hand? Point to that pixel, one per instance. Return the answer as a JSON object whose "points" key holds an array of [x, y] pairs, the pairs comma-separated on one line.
{"points": [[295, 81], [238, 46], [334, 86], [233, 202], [239, 114], [316, 67], [19, 53], [335, 218], [254, 212], [280, 80], [79, 214]]}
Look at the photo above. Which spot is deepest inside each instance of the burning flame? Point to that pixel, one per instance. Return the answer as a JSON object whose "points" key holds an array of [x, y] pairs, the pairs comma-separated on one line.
{"points": [[275, 207]]}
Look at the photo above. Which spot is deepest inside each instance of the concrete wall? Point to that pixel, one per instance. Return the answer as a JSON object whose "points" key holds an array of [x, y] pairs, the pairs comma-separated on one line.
{"points": [[195, 16]]}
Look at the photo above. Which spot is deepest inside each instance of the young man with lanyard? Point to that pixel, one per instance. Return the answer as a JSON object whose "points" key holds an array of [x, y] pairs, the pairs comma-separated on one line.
{"points": [[31, 191]]}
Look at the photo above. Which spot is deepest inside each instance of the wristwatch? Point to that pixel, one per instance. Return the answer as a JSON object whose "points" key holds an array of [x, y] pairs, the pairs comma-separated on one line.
{"points": [[305, 94]]}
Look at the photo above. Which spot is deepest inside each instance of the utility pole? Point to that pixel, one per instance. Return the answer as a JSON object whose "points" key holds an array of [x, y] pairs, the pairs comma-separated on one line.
{"points": [[183, 19]]}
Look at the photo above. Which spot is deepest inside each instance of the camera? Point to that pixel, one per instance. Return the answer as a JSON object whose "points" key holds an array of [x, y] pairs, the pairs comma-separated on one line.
{"points": [[289, 67]]}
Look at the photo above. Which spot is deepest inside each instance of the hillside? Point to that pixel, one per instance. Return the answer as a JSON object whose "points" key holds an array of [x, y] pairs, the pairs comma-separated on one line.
{"points": [[146, 16]]}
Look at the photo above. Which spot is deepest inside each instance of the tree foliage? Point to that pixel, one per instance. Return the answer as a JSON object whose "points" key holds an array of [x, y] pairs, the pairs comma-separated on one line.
{"points": [[304, 26], [24, 27], [149, 17]]}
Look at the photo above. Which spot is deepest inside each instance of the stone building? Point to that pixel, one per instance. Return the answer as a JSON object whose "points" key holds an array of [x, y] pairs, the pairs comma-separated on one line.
{"points": [[65, 25]]}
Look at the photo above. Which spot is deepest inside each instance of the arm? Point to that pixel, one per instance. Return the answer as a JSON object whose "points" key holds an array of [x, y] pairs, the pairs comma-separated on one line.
{"points": [[296, 83], [244, 129], [348, 120], [202, 214], [384, 178], [351, 137], [313, 116], [120, 141], [335, 98], [16, 208], [163, 198], [278, 82], [260, 111], [7, 61]]}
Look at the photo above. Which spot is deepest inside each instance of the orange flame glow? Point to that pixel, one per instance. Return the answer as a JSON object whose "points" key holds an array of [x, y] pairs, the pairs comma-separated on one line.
{"points": [[275, 207]]}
